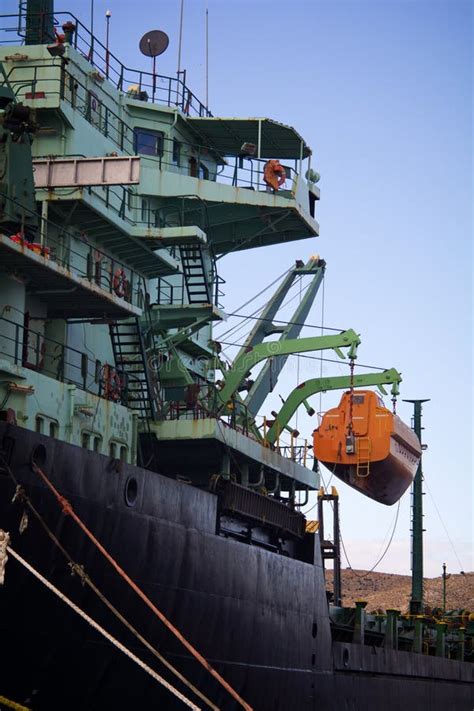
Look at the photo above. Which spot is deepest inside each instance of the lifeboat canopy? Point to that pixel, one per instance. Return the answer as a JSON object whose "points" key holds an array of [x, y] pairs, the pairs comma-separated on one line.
{"points": [[368, 447]]}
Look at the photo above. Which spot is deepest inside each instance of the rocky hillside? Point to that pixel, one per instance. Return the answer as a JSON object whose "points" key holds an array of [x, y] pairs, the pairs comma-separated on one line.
{"points": [[384, 590]]}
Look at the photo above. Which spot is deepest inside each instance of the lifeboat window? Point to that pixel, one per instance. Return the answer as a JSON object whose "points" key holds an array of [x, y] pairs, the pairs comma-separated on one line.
{"points": [[358, 399], [148, 143]]}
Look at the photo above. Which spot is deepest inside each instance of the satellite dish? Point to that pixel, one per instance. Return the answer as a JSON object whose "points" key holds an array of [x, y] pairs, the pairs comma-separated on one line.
{"points": [[154, 43]]}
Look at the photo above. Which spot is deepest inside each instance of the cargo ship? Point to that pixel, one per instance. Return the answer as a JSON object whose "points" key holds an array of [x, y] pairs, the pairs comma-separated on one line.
{"points": [[153, 547]]}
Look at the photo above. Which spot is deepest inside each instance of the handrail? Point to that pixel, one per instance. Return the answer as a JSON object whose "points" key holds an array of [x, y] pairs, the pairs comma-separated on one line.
{"points": [[171, 154], [33, 350], [92, 263], [174, 93]]}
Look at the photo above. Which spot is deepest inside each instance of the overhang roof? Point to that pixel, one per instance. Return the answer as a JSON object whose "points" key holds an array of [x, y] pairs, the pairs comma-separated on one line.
{"points": [[227, 135]]}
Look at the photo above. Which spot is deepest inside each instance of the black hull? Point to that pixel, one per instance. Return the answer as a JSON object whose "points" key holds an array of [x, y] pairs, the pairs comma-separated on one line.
{"points": [[260, 618]]}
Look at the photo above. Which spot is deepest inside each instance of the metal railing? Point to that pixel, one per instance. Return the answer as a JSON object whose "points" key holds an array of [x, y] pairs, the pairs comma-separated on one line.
{"points": [[31, 349], [168, 294], [170, 154], [171, 91], [84, 260]]}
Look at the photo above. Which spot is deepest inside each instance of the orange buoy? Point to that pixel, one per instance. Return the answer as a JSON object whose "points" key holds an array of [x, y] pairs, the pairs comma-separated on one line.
{"points": [[368, 447], [274, 174]]}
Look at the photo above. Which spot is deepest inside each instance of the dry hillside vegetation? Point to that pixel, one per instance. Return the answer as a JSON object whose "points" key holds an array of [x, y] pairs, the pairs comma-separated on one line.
{"points": [[384, 590]]}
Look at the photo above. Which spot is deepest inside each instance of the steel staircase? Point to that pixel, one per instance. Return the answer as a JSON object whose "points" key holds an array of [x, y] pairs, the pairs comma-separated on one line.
{"points": [[197, 287], [130, 358]]}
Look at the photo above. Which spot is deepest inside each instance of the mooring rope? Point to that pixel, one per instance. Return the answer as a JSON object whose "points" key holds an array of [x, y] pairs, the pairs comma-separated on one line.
{"points": [[12, 704], [157, 677], [68, 510], [76, 568]]}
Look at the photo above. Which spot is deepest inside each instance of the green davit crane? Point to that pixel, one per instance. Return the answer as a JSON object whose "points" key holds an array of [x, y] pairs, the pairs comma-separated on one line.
{"points": [[245, 361], [317, 385]]}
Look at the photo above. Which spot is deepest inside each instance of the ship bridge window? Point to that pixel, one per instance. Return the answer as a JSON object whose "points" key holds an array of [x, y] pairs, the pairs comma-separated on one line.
{"points": [[358, 399], [148, 143]]}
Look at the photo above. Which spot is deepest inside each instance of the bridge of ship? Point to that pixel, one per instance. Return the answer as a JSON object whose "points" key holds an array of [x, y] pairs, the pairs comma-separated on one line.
{"points": [[236, 209]]}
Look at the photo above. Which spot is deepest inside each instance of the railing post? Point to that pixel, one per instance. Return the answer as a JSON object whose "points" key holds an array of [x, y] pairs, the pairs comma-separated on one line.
{"points": [[359, 626], [441, 628], [17, 341], [461, 644], [38, 347], [61, 368], [418, 635], [111, 280], [391, 629], [131, 285]]}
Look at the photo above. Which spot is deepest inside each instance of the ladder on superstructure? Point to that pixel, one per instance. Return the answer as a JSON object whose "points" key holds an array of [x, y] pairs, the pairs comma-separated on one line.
{"points": [[143, 388], [194, 272]]}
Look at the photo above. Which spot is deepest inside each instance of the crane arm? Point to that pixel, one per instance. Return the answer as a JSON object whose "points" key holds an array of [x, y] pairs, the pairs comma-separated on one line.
{"points": [[253, 355], [317, 385]]}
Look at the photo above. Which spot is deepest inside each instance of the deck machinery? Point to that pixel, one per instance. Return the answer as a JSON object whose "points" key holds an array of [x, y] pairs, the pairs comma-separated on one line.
{"points": [[113, 384]]}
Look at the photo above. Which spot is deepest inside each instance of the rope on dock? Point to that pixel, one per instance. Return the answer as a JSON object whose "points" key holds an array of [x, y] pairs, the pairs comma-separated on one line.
{"points": [[157, 677], [69, 511]]}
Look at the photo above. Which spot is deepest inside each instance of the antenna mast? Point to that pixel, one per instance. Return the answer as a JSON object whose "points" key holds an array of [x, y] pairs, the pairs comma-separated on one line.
{"points": [[416, 600], [207, 57], [180, 36]]}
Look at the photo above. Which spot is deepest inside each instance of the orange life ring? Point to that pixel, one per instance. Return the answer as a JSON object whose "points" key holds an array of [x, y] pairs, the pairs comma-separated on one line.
{"points": [[112, 384], [274, 174], [120, 282]]}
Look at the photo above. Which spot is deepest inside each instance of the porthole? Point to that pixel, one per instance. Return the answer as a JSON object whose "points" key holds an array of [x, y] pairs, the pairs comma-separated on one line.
{"points": [[38, 455], [131, 491]]}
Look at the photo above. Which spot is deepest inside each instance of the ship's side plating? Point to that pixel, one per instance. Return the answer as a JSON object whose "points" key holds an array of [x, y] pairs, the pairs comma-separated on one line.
{"points": [[260, 618]]}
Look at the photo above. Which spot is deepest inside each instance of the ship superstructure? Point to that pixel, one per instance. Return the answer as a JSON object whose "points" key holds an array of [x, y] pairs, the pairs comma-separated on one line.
{"points": [[139, 191], [113, 384]]}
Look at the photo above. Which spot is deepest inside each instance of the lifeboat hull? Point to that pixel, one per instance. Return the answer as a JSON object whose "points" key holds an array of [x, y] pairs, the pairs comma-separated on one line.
{"points": [[389, 478], [384, 460]]}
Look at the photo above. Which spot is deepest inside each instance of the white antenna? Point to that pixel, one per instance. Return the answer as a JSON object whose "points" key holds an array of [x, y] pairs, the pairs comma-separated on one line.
{"points": [[180, 36]]}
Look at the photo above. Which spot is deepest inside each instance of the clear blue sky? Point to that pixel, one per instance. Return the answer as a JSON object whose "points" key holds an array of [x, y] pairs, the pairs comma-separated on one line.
{"points": [[382, 92]]}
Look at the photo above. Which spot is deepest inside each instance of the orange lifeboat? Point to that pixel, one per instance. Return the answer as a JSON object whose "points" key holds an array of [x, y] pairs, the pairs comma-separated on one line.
{"points": [[368, 447]]}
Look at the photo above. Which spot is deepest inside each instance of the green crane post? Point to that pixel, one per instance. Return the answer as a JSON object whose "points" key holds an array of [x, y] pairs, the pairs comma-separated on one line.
{"points": [[416, 601]]}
